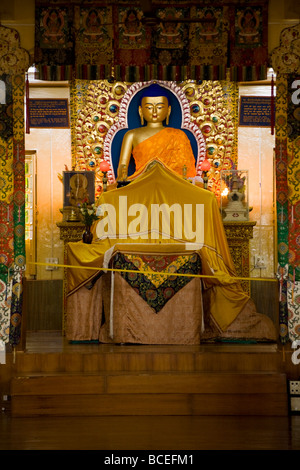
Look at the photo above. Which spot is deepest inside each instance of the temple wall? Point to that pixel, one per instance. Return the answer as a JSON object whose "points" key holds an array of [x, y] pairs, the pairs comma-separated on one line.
{"points": [[53, 152], [256, 154]]}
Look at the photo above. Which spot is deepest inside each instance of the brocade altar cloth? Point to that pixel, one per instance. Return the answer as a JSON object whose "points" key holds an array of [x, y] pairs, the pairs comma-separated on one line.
{"points": [[149, 283]]}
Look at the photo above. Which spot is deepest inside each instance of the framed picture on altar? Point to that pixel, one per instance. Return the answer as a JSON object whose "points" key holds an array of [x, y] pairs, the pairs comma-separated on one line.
{"points": [[78, 187]]}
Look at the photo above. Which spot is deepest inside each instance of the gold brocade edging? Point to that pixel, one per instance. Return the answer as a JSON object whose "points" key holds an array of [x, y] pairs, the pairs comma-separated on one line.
{"points": [[207, 276]]}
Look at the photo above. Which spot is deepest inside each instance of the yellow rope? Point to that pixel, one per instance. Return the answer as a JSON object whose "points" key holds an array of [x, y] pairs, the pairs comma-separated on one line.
{"points": [[151, 272]]}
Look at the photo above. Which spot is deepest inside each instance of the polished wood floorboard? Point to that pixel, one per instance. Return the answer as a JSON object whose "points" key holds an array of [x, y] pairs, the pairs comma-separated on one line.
{"points": [[55, 341], [150, 433], [147, 433]]}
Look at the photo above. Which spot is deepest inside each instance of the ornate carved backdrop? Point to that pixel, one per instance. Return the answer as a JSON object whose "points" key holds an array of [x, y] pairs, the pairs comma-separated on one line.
{"points": [[95, 109]]}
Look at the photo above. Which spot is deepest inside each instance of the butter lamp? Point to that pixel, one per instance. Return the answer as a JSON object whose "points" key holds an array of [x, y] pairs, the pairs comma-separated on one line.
{"points": [[104, 167], [205, 167]]}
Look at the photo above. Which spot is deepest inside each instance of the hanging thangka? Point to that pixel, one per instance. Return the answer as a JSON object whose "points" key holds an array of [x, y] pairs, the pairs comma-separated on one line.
{"points": [[157, 52], [54, 41], [6, 204], [209, 42], [176, 41], [170, 43], [286, 63], [293, 176], [282, 206], [132, 44], [93, 45], [14, 61], [248, 54]]}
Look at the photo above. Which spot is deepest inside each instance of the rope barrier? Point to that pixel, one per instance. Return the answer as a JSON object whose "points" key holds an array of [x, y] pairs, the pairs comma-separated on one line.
{"points": [[160, 273]]}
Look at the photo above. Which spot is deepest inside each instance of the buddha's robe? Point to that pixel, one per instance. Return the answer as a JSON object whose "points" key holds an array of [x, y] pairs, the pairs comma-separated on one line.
{"points": [[169, 146]]}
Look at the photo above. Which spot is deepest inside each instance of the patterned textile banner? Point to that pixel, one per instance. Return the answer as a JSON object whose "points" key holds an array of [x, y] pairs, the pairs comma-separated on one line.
{"points": [[178, 41], [12, 227], [14, 61], [54, 48], [285, 60], [288, 207]]}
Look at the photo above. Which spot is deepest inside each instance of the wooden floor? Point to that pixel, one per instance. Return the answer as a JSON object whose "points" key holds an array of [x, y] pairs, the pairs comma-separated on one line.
{"points": [[150, 433]]}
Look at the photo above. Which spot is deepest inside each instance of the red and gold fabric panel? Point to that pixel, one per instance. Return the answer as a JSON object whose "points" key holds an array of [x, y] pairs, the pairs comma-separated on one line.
{"points": [[14, 61], [288, 206]]}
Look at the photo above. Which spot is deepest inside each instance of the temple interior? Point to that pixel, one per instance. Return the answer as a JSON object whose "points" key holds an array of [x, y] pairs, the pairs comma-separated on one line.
{"points": [[149, 232]]}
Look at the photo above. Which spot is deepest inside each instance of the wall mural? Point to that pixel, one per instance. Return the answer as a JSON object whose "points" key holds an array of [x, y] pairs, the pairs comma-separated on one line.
{"points": [[14, 61]]}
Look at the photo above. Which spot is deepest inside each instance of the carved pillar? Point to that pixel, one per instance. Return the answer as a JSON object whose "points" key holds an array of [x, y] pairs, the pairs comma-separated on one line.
{"points": [[69, 232], [238, 236]]}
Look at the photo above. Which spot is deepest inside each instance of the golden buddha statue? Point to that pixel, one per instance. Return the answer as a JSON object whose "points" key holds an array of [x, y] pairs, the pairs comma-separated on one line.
{"points": [[154, 141]]}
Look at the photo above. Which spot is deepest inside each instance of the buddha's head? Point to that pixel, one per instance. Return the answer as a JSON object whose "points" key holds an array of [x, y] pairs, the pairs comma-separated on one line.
{"points": [[154, 107]]}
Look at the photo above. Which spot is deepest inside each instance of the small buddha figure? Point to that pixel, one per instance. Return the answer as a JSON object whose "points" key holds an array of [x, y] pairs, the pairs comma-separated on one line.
{"points": [[154, 140], [78, 189], [236, 209]]}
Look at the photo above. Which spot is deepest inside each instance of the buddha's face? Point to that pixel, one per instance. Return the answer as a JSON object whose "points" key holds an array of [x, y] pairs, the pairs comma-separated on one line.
{"points": [[155, 109]]}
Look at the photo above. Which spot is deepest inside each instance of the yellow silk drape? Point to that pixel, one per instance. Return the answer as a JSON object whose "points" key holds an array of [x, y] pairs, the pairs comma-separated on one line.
{"points": [[161, 186]]}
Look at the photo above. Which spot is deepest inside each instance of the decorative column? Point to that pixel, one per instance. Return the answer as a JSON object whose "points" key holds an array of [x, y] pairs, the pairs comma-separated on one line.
{"points": [[286, 63], [69, 232], [14, 62], [238, 236]]}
